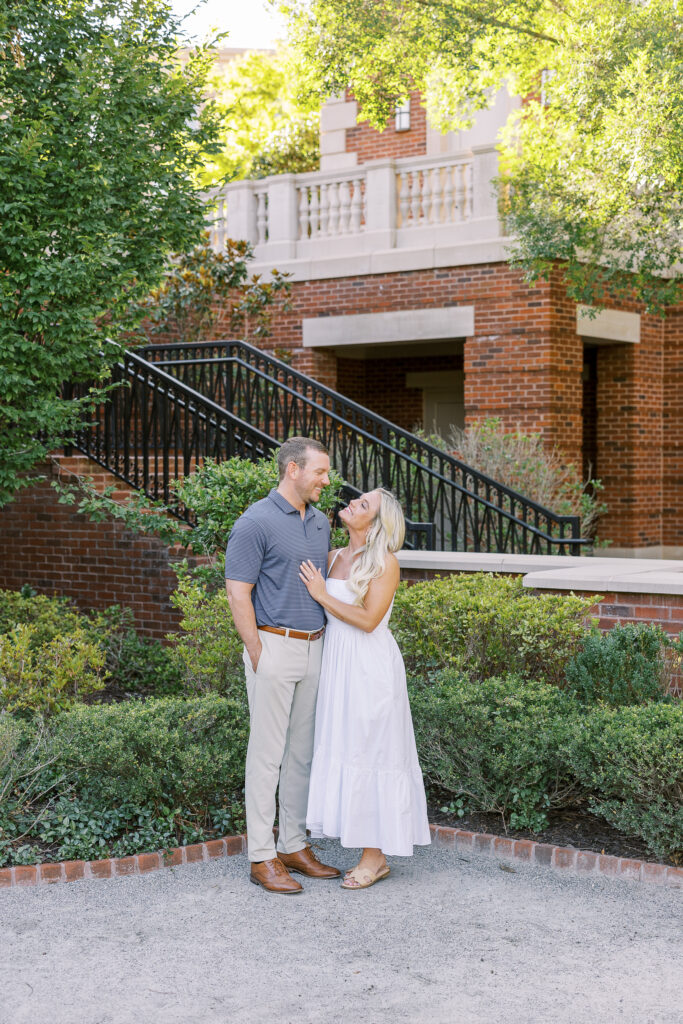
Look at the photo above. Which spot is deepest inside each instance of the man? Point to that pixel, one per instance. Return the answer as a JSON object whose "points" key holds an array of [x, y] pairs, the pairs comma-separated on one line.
{"points": [[282, 629]]}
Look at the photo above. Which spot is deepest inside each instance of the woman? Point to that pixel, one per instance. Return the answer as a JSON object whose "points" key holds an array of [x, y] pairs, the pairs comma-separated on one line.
{"points": [[366, 785]]}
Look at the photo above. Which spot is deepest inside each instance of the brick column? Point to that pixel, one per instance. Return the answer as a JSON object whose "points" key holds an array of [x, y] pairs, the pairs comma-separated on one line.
{"points": [[672, 408], [524, 363], [629, 437], [318, 364]]}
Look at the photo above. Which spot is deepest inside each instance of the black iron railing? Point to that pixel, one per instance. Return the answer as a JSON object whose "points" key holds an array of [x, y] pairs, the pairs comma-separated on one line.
{"points": [[155, 429], [450, 505]]}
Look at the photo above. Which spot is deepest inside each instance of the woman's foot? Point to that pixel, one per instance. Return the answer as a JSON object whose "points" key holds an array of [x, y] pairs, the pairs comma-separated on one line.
{"points": [[362, 877]]}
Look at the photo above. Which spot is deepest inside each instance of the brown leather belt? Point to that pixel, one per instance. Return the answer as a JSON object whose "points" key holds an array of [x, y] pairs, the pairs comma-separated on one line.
{"points": [[295, 633]]}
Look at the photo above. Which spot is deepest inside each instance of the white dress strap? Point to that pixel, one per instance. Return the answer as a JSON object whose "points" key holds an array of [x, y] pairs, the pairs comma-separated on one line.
{"points": [[337, 552]]}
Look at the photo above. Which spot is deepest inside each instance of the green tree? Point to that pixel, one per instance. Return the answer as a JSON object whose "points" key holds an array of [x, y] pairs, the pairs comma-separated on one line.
{"points": [[592, 162], [186, 303], [269, 125], [101, 143]]}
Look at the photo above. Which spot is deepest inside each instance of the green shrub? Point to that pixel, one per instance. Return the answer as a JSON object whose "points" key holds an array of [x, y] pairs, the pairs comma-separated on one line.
{"points": [[132, 664], [207, 653], [486, 625], [81, 828], [164, 753], [497, 746], [135, 664], [27, 779], [631, 760], [525, 464], [50, 676], [49, 616], [630, 664], [126, 778]]}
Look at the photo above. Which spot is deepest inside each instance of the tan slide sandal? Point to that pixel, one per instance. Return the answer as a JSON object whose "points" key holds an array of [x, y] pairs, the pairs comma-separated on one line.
{"points": [[363, 878]]}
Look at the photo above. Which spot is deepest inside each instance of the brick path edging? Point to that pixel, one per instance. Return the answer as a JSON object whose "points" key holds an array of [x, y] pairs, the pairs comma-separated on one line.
{"points": [[561, 857]]}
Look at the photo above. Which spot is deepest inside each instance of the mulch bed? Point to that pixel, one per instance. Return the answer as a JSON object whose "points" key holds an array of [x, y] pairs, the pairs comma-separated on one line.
{"points": [[575, 828]]}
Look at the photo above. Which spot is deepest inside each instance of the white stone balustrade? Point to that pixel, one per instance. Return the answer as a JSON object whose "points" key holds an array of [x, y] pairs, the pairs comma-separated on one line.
{"points": [[393, 214]]}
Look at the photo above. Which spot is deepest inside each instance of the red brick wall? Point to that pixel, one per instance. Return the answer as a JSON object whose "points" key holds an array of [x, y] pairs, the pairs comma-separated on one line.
{"points": [[629, 442], [379, 384], [525, 362], [57, 550], [370, 144], [672, 427]]}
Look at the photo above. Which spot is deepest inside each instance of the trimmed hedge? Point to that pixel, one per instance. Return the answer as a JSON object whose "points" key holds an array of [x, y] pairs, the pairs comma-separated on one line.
{"points": [[631, 664], [130, 777], [487, 626], [630, 761], [497, 745]]}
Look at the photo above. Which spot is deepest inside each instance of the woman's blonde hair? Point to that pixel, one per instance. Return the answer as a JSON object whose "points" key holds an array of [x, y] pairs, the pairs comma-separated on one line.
{"points": [[386, 533]]}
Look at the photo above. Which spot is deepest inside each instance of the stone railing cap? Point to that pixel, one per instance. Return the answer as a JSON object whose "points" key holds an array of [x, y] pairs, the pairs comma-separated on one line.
{"points": [[559, 572]]}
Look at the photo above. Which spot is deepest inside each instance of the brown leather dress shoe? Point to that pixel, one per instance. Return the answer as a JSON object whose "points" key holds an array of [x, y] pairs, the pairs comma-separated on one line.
{"points": [[306, 863], [274, 876]]}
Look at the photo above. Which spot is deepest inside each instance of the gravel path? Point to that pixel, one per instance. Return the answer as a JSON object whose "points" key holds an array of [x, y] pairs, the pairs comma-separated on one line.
{"points": [[448, 938]]}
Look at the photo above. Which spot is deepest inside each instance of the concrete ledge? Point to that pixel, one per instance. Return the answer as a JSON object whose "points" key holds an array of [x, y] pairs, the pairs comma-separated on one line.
{"points": [[387, 261], [558, 572], [380, 328], [608, 324]]}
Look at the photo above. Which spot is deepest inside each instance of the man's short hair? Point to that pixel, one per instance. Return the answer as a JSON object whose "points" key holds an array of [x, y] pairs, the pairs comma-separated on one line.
{"points": [[296, 449]]}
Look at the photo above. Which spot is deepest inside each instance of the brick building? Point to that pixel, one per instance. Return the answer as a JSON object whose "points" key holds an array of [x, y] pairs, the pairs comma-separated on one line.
{"points": [[404, 301]]}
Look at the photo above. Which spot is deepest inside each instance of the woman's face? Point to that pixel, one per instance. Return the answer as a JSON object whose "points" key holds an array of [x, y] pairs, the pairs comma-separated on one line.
{"points": [[360, 512]]}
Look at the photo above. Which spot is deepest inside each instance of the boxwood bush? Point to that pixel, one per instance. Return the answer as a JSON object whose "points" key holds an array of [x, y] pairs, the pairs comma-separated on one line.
{"points": [[487, 626], [630, 664], [630, 761], [497, 746], [124, 778], [52, 655]]}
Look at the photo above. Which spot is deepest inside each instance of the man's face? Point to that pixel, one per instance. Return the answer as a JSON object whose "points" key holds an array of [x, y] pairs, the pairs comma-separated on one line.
{"points": [[310, 478]]}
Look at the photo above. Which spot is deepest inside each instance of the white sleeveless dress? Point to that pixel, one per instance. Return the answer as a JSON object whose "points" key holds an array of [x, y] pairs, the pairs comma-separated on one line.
{"points": [[366, 786]]}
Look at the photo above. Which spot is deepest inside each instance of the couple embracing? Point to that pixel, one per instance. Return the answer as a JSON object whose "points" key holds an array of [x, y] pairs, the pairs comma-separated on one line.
{"points": [[329, 715]]}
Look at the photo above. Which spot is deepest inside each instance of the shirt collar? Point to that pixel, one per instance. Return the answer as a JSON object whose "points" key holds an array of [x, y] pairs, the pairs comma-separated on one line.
{"points": [[285, 506]]}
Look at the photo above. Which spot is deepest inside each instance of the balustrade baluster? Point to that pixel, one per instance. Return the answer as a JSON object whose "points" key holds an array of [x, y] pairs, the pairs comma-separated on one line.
{"points": [[304, 216], [404, 199], [448, 195], [467, 180], [324, 208], [315, 211], [356, 205], [415, 197], [344, 207], [333, 221], [428, 196], [459, 200]]}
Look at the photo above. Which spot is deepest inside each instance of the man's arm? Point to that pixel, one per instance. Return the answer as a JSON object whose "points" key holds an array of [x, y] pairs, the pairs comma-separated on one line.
{"points": [[242, 608]]}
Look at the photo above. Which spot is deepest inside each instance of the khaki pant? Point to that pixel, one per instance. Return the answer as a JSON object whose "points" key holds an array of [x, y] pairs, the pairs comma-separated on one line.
{"points": [[282, 695]]}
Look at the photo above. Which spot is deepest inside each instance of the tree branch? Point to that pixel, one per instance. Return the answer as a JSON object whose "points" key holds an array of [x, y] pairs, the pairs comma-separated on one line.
{"points": [[483, 19]]}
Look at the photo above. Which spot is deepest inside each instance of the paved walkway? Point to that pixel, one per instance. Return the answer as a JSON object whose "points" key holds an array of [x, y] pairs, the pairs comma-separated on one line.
{"points": [[446, 939]]}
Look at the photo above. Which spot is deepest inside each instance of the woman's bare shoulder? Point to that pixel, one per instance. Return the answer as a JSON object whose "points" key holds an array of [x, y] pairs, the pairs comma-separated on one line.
{"points": [[393, 563]]}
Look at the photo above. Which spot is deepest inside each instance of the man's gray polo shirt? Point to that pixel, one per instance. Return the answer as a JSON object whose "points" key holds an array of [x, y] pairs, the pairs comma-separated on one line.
{"points": [[266, 547]]}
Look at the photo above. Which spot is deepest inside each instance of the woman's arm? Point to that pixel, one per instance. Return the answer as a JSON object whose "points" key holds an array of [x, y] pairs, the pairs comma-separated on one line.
{"points": [[377, 600]]}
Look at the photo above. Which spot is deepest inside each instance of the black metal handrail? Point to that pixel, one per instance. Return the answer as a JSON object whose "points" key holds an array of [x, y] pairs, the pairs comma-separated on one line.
{"points": [[156, 429], [468, 510]]}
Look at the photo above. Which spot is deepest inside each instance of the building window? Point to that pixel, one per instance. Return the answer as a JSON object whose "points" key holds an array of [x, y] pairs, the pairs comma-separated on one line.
{"points": [[403, 116]]}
